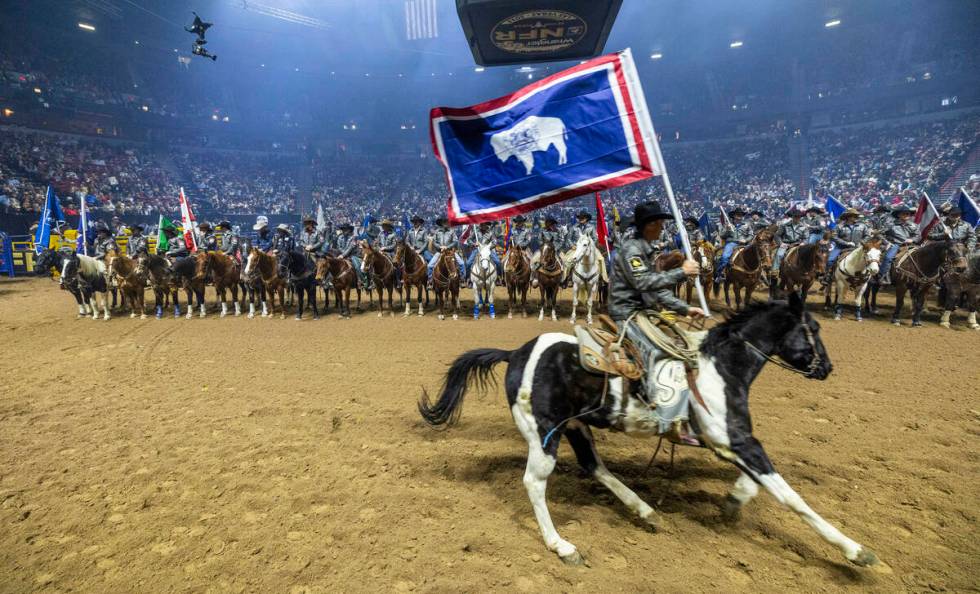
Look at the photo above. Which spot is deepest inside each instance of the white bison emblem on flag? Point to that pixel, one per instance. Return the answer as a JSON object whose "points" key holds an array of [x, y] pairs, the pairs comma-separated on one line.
{"points": [[531, 134]]}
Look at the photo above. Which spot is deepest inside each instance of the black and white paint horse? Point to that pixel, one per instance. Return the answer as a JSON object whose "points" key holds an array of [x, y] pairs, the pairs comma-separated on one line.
{"points": [[551, 396], [50, 260], [88, 276]]}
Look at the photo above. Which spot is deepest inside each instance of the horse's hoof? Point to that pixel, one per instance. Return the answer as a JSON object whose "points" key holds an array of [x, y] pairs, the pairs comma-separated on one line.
{"points": [[142, 316], [441, 317], [132, 315], [865, 558], [493, 316], [731, 510], [510, 316], [574, 558], [251, 315], [222, 314], [896, 323], [455, 317], [316, 317], [859, 319], [381, 314], [975, 326], [944, 324], [916, 324]]}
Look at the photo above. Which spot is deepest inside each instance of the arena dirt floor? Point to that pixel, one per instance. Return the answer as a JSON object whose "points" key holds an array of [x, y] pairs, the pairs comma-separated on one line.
{"points": [[276, 456]]}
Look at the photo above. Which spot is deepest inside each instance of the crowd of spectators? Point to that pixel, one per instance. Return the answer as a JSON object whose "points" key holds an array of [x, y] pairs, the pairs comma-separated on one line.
{"points": [[242, 183]]}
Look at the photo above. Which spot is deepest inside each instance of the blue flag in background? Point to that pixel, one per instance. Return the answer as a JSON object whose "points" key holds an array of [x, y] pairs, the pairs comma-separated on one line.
{"points": [[404, 232], [971, 212], [51, 213], [704, 223], [835, 209]]}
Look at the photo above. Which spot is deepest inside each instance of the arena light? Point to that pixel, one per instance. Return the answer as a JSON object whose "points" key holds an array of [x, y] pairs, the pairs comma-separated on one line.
{"points": [[735, 44], [145, 108], [832, 23], [656, 56], [7, 112], [479, 69], [37, 90], [86, 26]]}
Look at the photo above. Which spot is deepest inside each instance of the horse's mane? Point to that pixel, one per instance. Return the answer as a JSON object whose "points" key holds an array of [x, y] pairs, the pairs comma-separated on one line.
{"points": [[89, 266], [734, 323]]}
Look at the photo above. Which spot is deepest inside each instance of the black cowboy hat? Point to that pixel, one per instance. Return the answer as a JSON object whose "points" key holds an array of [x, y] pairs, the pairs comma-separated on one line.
{"points": [[309, 219], [901, 209], [738, 212], [815, 209], [482, 223], [417, 219], [756, 212], [550, 219], [136, 226], [794, 212], [646, 212], [519, 219], [346, 227], [169, 231], [204, 225], [691, 220], [101, 227], [442, 221], [880, 209], [955, 212], [583, 215]]}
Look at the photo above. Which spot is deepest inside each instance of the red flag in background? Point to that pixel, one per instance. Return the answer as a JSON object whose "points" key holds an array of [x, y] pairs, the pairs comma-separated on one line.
{"points": [[600, 224], [187, 221]]}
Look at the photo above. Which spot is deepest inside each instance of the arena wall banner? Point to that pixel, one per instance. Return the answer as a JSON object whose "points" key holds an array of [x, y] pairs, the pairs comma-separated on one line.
{"points": [[579, 131]]}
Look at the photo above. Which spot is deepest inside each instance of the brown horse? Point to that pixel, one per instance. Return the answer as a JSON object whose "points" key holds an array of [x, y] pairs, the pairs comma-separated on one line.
{"points": [[964, 284], [747, 267], [162, 279], [445, 282], [702, 252], [414, 274], [267, 269], [342, 277], [222, 270], [549, 279], [802, 265], [917, 270], [132, 283], [517, 278], [382, 271]]}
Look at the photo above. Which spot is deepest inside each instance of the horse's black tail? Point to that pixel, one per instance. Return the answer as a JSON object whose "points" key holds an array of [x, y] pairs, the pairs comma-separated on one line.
{"points": [[475, 367]]}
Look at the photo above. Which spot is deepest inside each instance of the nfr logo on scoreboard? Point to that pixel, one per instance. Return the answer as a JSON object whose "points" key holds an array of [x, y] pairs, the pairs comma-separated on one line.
{"points": [[517, 31]]}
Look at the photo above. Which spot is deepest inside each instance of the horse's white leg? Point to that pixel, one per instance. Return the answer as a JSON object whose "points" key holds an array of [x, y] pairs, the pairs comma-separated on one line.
{"points": [[541, 315], [224, 309], [93, 306], [539, 467], [238, 308], [265, 309], [609, 481], [81, 310], [251, 309], [971, 320], [575, 289], [742, 492], [203, 311], [105, 306], [591, 298]]}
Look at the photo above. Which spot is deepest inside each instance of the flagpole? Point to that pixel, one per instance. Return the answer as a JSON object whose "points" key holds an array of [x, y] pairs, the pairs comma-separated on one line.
{"points": [[84, 229], [939, 217], [643, 113]]}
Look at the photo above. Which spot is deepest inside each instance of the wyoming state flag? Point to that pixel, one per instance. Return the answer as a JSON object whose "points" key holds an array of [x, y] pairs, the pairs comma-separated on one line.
{"points": [[581, 130]]}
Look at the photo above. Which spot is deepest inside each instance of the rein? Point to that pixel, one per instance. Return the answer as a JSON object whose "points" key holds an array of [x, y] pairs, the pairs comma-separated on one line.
{"points": [[815, 360]]}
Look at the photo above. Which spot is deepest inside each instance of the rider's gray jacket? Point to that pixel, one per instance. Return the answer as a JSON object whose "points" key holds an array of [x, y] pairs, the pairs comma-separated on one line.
{"points": [[137, 246], [104, 246], [635, 286], [850, 234], [230, 243], [555, 237], [578, 229], [177, 248], [387, 242], [207, 241], [418, 238], [347, 245], [814, 223], [741, 234], [520, 237], [481, 238], [790, 232], [960, 231], [900, 232], [444, 238], [314, 240]]}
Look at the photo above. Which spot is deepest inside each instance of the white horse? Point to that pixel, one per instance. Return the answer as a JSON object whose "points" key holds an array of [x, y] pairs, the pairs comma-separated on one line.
{"points": [[483, 278], [855, 270], [585, 274], [89, 275]]}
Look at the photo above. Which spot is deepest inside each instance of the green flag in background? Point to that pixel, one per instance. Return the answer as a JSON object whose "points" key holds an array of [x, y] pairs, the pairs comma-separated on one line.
{"points": [[163, 243]]}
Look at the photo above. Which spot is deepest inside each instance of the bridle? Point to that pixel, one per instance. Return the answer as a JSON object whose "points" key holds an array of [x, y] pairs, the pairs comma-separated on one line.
{"points": [[815, 358]]}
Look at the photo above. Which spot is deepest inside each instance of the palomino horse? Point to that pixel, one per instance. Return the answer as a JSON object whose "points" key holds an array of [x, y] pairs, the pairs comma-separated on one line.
{"points": [[414, 274], [548, 275], [747, 266], [382, 271], [801, 266], [964, 284], [266, 268], [918, 269], [88, 277], [483, 279], [551, 396], [585, 275], [342, 278], [300, 273], [854, 269], [131, 282], [162, 280], [445, 282], [517, 278], [50, 260], [223, 271]]}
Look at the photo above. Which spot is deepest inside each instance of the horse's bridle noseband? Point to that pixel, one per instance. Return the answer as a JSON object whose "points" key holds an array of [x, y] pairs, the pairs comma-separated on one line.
{"points": [[815, 358]]}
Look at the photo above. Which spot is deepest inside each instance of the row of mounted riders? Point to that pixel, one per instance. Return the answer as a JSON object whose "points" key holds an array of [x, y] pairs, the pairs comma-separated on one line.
{"points": [[263, 277], [260, 278]]}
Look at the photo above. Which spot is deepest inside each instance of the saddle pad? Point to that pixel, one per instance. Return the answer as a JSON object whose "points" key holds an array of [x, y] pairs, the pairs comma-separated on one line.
{"points": [[596, 355]]}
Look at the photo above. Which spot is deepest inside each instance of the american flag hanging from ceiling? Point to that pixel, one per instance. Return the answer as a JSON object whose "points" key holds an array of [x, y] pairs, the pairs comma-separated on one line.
{"points": [[420, 19]]}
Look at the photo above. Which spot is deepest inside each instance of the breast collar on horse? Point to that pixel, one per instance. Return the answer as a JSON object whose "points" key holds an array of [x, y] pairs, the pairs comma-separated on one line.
{"points": [[852, 279], [921, 278], [735, 266], [389, 268]]}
